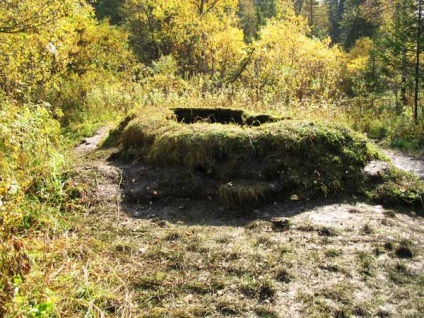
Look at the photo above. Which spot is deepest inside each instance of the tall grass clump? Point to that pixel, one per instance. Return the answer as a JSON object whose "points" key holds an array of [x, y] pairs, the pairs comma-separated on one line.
{"points": [[30, 194]]}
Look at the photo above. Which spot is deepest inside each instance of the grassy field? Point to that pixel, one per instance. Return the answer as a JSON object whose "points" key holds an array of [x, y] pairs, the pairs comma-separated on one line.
{"points": [[119, 252], [192, 258]]}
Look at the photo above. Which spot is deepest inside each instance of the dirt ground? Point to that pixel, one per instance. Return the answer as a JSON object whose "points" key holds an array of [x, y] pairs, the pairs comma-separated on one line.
{"points": [[195, 258], [406, 162]]}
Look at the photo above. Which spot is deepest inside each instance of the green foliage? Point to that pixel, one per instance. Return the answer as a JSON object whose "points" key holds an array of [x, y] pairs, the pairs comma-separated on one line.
{"points": [[109, 9], [60, 61]]}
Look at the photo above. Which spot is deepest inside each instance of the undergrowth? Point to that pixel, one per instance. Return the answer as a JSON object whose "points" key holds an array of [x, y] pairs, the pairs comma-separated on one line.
{"points": [[31, 196]]}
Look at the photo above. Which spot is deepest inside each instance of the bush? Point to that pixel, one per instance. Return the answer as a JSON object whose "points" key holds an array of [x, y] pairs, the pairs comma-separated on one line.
{"points": [[30, 186]]}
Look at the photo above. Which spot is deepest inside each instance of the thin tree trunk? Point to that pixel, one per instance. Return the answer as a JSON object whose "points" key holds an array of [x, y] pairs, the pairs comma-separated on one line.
{"points": [[417, 63], [403, 83], [311, 17]]}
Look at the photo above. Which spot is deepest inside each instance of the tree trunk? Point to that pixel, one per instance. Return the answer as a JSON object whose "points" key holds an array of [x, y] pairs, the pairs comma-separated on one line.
{"points": [[417, 62], [403, 83], [311, 17]]}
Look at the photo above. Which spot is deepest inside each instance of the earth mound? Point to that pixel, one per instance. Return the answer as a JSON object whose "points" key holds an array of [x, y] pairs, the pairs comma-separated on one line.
{"points": [[243, 159]]}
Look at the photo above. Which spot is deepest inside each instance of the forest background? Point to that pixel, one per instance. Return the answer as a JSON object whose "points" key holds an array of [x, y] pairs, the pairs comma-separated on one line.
{"points": [[68, 66]]}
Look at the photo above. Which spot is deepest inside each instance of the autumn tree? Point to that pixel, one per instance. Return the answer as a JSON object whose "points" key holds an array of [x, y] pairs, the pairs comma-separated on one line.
{"points": [[290, 67], [317, 15], [47, 43], [202, 35]]}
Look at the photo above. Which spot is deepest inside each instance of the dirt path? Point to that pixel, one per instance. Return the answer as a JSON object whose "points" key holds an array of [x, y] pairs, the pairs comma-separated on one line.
{"points": [[92, 143], [191, 258], [406, 162]]}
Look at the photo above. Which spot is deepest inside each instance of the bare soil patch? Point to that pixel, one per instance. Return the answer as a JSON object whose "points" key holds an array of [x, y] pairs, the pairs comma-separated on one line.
{"points": [[406, 162]]}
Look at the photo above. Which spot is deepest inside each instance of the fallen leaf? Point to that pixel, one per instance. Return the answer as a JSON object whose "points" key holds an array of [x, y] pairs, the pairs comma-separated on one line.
{"points": [[294, 197]]}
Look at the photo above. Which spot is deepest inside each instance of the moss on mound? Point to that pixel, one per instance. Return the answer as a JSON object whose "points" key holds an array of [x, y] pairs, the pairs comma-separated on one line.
{"points": [[397, 187], [244, 164]]}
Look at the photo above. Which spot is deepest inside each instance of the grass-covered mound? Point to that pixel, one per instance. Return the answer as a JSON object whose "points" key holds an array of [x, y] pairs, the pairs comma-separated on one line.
{"points": [[243, 160], [395, 187]]}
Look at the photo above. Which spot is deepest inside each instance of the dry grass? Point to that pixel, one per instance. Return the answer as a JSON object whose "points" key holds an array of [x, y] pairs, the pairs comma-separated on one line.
{"points": [[111, 264]]}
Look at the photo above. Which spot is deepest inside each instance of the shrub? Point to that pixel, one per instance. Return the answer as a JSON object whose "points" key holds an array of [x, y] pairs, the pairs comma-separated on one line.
{"points": [[30, 177]]}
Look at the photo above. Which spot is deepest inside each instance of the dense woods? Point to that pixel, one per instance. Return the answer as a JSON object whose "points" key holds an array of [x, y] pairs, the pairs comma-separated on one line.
{"points": [[358, 57], [67, 66]]}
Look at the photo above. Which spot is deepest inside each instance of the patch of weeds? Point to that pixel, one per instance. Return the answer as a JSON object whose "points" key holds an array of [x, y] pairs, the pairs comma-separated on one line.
{"points": [[231, 256], [195, 245], [281, 224], [112, 306], [259, 226], [176, 261], [197, 288], [284, 249], [173, 236], [155, 297], [361, 311], [390, 214], [383, 313], [333, 268], [306, 228], [344, 312], [263, 289], [378, 250], [404, 249], [332, 252], [264, 312], [327, 231], [217, 284], [283, 275], [226, 307], [367, 229], [366, 263], [153, 282], [123, 248], [244, 193], [223, 239], [264, 240], [386, 222], [324, 231], [354, 211], [316, 306], [388, 246], [341, 293], [399, 274], [400, 188]]}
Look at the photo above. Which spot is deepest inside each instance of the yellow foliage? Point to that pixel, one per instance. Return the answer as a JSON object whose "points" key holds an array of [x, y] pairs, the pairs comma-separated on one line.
{"points": [[357, 58], [50, 39], [202, 35], [289, 66]]}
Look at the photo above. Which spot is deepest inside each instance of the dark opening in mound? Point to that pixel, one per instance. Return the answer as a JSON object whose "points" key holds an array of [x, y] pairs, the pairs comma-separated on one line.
{"points": [[221, 116]]}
